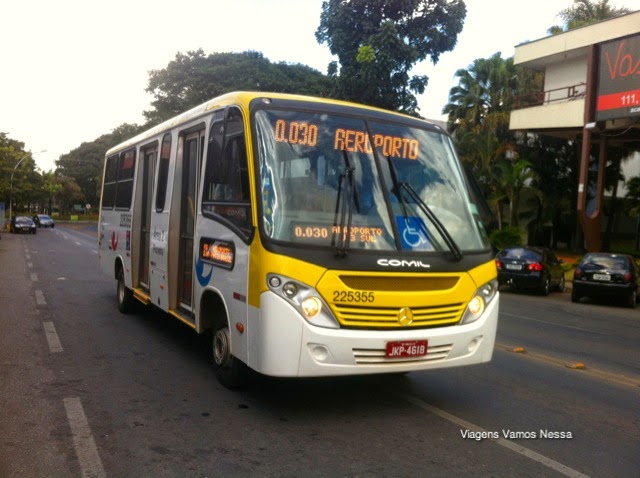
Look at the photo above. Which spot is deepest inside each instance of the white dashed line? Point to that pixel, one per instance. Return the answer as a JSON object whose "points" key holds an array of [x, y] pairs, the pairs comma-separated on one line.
{"points": [[40, 300], [52, 337], [34, 277], [548, 462], [83, 442]]}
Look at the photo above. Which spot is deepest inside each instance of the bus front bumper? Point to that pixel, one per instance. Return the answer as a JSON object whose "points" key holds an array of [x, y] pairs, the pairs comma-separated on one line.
{"points": [[286, 345]]}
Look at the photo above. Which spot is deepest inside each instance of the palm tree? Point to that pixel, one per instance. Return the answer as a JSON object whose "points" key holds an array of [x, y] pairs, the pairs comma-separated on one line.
{"points": [[586, 12], [484, 88], [513, 179]]}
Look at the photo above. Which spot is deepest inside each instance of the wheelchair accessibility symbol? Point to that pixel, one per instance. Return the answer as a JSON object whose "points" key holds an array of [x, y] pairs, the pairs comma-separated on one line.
{"points": [[413, 233]]}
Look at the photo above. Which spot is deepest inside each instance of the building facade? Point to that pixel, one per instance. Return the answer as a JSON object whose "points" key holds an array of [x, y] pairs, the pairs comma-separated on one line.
{"points": [[591, 96]]}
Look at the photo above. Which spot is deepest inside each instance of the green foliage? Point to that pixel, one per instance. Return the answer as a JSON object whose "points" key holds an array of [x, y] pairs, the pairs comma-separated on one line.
{"points": [[633, 195], [379, 41], [487, 87], [505, 237], [11, 151], [193, 78], [586, 12]]}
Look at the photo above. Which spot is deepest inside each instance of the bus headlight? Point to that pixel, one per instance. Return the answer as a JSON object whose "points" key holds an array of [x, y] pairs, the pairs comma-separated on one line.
{"points": [[311, 307], [477, 305], [305, 299]]}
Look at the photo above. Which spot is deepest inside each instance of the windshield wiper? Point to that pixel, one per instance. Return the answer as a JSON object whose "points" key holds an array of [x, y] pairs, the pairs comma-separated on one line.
{"points": [[342, 227], [348, 196], [400, 186], [451, 243]]}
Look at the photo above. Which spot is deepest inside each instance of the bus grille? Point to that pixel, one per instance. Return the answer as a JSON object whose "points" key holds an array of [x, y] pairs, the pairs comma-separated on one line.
{"points": [[378, 356], [387, 317]]}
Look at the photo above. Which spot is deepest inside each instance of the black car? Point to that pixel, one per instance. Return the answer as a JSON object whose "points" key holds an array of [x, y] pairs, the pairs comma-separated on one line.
{"points": [[22, 224], [525, 267], [606, 275], [42, 220]]}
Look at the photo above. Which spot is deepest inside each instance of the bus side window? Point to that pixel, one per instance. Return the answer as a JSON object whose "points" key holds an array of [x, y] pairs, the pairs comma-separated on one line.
{"points": [[110, 184], [226, 188], [163, 172], [126, 169]]}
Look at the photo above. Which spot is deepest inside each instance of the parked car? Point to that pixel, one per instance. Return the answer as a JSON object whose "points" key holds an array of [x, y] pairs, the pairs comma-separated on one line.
{"points": [[525, 267], [42, 220], [606, 275], [22, 224]]}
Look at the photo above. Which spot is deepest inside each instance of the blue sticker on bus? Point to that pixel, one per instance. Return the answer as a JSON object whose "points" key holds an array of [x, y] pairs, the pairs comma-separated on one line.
{"points": [[201, 267], [413, 233]]}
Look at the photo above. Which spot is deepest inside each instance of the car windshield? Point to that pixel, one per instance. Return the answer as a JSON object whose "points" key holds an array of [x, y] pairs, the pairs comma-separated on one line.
{"points": [[336, 181], [23, 220]]}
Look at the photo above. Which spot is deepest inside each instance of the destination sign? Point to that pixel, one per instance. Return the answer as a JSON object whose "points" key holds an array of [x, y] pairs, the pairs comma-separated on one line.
{"points": [[220, 253], [318, 232], [354, 141]]}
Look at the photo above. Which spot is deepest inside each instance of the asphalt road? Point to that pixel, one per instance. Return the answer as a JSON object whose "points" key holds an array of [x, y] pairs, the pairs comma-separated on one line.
{"points": [[86, 391]]}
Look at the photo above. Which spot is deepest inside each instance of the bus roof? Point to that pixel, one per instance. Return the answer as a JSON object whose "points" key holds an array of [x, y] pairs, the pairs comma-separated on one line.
{"points": [[244, 98]]}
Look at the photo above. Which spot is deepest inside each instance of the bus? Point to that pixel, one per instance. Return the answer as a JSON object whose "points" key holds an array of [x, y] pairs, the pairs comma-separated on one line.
{"points": [[305, 236]]}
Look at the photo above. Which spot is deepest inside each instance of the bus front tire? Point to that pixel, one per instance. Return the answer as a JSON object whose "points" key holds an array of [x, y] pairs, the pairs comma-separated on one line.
{"points": [[124, 294], [230, 372]]}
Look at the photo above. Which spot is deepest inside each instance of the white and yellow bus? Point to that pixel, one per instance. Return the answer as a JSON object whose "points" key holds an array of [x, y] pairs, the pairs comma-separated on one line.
{"points": [[309, 237]]}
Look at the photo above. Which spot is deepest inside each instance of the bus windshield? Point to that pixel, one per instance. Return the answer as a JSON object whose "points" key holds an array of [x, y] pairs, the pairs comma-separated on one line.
{"points": [[348, 183]]}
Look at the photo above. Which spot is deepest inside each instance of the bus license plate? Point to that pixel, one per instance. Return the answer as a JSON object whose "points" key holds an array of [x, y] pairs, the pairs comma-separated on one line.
{"points": [[406, 348]]}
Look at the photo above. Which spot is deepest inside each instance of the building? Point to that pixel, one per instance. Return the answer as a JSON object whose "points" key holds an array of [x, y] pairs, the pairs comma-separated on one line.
{"points": [[592, 96]]}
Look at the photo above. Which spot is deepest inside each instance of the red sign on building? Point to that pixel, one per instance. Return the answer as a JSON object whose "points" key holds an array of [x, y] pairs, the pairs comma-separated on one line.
{"points": [[619, 79]]}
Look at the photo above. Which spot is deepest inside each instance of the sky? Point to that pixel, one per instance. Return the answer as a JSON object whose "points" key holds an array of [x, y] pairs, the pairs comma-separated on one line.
{"points": [[73, 70]]}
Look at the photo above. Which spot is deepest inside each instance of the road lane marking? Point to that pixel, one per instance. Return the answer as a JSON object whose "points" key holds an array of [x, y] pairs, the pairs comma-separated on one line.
{"points": [[40, 300], [34, 277], [546, 461], [30, 265], [78, 243], [579, 366], [52, 337], [573, 327], [83, 442]]}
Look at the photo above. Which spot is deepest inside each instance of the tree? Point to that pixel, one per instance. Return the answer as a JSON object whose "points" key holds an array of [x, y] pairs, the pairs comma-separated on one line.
{"points": [[586, 12], [18, 164], [514, 177], [478, 113], [51, 187], [487, 87], [69, 194], [193, 78], [378, 42], [554, 160], [633, 201]]}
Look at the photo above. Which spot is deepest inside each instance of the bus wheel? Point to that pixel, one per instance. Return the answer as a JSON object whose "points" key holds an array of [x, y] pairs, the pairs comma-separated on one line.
{"points": [[230, 371], [125, 295]]}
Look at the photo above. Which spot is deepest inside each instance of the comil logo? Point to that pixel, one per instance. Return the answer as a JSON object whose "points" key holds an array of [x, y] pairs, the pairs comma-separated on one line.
{"points": [[402, 263]]}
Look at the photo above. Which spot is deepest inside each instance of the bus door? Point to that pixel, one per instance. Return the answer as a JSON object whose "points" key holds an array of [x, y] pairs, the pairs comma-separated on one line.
{"points": [[225, 233], [148, 165], [191, 159]]}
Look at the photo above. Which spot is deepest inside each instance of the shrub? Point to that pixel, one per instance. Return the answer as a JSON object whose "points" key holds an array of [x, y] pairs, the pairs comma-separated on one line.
{"points": [[505, 237]]}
